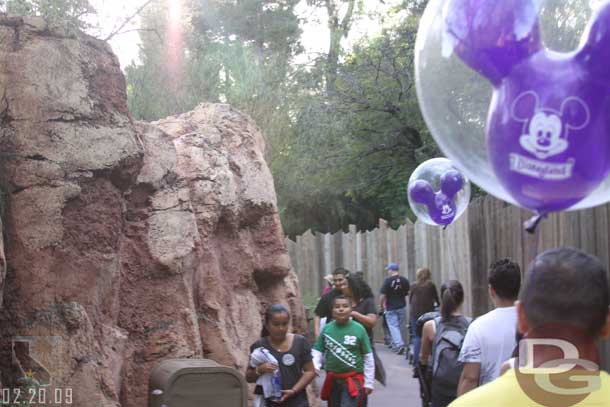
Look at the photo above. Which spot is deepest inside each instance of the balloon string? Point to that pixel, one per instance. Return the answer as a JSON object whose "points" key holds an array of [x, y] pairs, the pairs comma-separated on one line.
{"points": [[450, 249]]}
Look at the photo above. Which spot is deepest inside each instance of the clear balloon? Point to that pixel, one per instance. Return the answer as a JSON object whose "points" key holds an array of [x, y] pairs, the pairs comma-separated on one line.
{"points": [[524, 121], [438, 193]]}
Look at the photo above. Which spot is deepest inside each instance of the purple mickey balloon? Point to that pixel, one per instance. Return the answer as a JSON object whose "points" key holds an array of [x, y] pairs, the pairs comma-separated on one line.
{"points": [[451, 182], [421, 192], [441, 205], [548, 124]]}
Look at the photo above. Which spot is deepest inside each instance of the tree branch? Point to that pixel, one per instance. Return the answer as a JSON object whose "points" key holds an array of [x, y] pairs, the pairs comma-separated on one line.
{"points": [[127, 20]]}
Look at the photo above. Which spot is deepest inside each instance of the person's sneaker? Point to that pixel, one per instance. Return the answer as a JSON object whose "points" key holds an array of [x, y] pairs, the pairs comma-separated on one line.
{"points": [[415, 373], [401, 350]]}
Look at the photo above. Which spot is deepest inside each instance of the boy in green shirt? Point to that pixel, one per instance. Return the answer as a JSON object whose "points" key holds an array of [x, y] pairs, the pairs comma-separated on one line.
{"points": [[346, 350]]}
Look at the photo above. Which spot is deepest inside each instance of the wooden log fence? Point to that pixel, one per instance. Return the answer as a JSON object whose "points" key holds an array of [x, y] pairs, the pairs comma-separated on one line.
{"points": [[489, 230]]}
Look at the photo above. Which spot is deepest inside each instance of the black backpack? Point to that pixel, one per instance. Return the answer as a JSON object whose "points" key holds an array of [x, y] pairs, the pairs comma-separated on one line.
{"points": [[428, 316], [446, 369]]}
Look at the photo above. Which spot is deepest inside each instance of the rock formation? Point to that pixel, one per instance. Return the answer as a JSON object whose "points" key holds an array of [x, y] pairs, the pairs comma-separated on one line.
{"points": [[126, 243]]}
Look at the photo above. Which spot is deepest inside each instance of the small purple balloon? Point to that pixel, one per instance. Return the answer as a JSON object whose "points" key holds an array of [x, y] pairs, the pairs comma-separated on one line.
{"points": [[548, 126], [441, 205], [421, 192], [451, 182]]}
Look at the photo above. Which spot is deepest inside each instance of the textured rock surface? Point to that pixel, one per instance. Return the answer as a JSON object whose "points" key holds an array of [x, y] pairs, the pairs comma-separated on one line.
{"points": [[125, 243]]}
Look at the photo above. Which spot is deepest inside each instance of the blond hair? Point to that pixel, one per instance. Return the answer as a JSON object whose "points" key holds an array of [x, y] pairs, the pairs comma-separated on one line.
{"points": [[423, 275]]}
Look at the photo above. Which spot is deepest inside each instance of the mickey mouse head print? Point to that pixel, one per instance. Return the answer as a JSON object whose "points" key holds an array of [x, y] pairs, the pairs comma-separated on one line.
{"points": [[548, 126], [546, 131], [437, 192]]}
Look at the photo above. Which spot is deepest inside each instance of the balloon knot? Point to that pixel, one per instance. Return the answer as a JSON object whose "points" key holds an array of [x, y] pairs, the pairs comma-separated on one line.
{"points": [[532, 223]]}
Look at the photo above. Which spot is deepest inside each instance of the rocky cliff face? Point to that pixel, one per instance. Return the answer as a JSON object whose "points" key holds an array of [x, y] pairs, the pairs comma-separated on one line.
{"points": [[125, 243]]}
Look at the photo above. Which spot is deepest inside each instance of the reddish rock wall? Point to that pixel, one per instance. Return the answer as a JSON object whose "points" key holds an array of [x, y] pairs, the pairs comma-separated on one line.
{"points": [[125, 243]]}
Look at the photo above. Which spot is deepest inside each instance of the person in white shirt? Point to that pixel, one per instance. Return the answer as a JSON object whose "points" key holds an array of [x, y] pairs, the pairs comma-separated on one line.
{"points": [[491, 338]]}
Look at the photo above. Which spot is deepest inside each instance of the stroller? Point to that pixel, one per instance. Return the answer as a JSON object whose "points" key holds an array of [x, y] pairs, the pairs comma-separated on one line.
{"points": [[387, 337], [424, 387], [424, 377], [411, 348]]}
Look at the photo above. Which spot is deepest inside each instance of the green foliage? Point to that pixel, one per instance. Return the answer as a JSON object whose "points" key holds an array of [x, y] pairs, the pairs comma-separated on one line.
{"points": [[343, 133], [355, 149], [310, 301], [234, 53], [563, 22], [69, 14], [154, 88]]}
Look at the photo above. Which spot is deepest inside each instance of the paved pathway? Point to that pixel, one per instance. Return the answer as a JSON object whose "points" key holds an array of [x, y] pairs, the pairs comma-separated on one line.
{"points": [[401, 389]]}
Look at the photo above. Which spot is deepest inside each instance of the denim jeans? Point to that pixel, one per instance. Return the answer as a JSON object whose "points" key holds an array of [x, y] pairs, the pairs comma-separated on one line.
{"points": [[339, 396], [396, 319], [416, 340]]}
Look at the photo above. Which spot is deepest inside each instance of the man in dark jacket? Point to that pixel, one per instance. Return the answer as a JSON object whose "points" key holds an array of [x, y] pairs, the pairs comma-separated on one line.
{"points": [[393, 292]]}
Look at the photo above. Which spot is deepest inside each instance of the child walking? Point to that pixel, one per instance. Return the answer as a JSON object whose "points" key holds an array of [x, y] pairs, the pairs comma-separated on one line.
{"points": [[278, 349], [346, 350]]}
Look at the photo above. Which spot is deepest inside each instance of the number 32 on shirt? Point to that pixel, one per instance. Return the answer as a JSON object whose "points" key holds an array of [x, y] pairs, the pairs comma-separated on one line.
{"points": [[349, 340]]}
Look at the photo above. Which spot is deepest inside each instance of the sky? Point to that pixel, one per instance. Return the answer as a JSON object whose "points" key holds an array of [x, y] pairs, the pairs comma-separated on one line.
{"points": [[111, 13]]}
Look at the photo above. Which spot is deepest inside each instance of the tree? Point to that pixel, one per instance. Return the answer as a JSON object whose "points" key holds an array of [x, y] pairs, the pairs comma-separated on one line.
{"points": [[563, 22], [339, 28], [234, 52], [67, 13], [354, 151]]}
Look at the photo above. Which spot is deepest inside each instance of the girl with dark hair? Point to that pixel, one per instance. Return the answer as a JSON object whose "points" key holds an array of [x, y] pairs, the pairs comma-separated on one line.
{"points": [[452, 298], [423, 297], [363, 301], [292, 355], [442, 339]]}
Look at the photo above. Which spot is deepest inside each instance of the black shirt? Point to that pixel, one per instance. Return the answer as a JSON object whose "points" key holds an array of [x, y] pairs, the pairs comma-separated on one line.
{"points": [[365, 307], [395, 288], [291, 366], [325, 305]]}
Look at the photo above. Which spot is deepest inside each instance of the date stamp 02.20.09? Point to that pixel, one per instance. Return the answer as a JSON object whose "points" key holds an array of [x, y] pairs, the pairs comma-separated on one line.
{"points": [[32, 355], [39, 396]]}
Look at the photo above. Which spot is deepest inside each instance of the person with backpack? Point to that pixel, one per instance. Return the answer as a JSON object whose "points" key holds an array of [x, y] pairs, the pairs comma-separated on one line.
{"points": [[392, 299], [491, 337], [563, 309], [442, 340]]}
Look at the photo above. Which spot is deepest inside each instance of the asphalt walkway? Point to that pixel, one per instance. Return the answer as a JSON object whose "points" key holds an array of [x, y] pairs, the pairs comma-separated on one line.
{"points": [[401, 389]]}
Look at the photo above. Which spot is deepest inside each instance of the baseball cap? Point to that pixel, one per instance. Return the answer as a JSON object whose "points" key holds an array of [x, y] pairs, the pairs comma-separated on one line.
{"points": [[392, 266]]}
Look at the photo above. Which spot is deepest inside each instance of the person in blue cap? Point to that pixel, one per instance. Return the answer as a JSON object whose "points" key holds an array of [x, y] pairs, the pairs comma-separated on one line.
{"points": [[392, 299]]}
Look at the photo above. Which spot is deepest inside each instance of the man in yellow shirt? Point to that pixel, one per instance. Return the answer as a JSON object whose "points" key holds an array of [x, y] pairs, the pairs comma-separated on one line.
{"points": [[563, 310]]}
